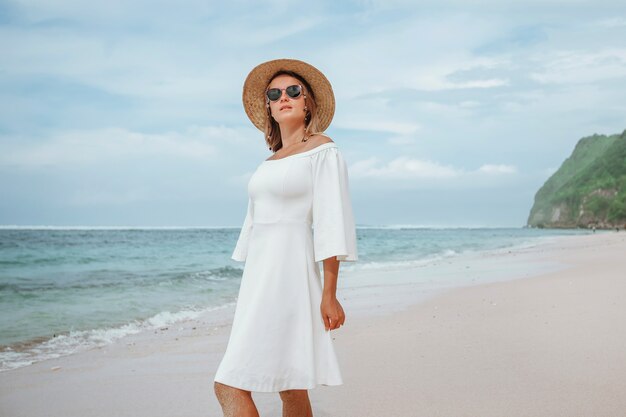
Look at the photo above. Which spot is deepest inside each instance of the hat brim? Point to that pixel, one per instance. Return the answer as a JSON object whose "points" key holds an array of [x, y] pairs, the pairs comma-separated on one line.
{"points": [[258, 79]]}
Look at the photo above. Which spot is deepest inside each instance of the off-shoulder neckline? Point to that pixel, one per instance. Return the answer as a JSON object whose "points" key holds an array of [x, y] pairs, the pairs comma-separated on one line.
{"points": [[310, 151]]}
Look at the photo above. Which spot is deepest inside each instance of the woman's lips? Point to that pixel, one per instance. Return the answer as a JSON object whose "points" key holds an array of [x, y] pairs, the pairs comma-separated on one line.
{"points": [[285, 108]]}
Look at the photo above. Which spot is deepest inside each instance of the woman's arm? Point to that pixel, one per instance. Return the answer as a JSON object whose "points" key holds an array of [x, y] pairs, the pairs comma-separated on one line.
{"points": [[331, 271], [331, 309]]}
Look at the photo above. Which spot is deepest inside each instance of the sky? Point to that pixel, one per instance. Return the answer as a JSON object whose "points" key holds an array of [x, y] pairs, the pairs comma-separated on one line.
{"points": [[448, 113]]}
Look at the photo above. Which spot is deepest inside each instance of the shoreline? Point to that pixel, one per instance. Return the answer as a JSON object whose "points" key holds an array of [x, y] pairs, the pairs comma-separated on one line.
{"points": [[357, 284], [170, 371]]}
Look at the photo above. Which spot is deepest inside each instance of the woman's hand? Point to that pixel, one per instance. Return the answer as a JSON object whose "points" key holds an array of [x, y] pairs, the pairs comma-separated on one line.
{"points": [[332, 312]]}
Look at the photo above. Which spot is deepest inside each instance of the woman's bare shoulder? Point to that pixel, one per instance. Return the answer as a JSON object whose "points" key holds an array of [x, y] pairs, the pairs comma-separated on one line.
{"points": [[319, 138]]}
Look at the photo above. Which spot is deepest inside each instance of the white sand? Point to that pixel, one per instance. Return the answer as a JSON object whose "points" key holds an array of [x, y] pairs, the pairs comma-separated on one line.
{"points": [[535, 343]]}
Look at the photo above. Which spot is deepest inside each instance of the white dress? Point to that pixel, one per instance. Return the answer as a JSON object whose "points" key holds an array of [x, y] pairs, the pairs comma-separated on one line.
{"points": [[278, 340]]}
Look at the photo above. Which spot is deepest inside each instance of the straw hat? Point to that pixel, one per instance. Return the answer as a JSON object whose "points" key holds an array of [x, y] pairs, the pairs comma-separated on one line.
{"points": [[258, 79]]}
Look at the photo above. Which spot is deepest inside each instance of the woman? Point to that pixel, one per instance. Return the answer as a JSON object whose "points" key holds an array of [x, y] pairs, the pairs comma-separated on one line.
{"points": [[280, 338]]}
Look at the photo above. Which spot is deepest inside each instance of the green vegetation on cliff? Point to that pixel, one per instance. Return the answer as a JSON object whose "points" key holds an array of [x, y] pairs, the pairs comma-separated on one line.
{"points": [[589, 189]]}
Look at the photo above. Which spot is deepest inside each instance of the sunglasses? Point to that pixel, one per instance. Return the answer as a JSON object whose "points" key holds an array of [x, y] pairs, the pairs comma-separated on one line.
{"points": [[293, 91]]}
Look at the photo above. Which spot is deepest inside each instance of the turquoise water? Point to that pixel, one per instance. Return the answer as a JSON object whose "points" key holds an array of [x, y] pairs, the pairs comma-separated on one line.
{"points": [[62, 290]]}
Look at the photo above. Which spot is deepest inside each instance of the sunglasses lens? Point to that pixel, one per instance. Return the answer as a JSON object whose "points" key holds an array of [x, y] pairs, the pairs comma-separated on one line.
{"points": [[293, 91], [273, 94]]}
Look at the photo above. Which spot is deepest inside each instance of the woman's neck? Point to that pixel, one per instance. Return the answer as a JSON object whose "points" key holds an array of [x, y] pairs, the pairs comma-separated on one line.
{"points": [[291, 134]]}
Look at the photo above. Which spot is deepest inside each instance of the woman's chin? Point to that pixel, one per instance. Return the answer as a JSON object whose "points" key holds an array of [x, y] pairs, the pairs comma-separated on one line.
{"points": [[288, 119]]}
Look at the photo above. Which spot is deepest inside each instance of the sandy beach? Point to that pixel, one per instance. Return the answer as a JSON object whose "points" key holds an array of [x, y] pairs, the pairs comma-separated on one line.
{"points": [[536, 331]]}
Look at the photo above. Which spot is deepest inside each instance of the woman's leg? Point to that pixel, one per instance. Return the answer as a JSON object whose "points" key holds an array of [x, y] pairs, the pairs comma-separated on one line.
{"points": [[296, 403], [235, 402]]}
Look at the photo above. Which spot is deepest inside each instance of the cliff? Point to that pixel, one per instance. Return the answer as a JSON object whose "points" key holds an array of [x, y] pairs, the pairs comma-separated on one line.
{"points": [[589, 189]]}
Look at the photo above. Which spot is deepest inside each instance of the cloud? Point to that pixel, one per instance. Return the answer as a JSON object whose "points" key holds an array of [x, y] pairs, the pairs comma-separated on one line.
{"points": [[255, 35], [487, 83], [401, 140], [498, 169], [91, 196], [105, 146], [406, 168], [402, 167], [579, 66], [611, 22], [384, 125], [380, 58]]}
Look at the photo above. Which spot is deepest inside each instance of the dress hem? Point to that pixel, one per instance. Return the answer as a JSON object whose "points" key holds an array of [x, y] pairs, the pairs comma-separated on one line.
{"points": [[279, 388]]}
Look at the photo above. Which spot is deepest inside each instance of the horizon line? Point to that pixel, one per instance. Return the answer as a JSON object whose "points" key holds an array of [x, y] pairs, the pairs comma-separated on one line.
{"points": [[358, 226]]}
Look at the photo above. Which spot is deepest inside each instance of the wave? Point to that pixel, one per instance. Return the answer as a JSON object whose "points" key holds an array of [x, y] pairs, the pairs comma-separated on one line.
{"points": [[37, 350]]}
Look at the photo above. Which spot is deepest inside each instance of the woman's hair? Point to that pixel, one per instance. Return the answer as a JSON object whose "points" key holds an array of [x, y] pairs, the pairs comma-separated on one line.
{"points": [[311, 120]]}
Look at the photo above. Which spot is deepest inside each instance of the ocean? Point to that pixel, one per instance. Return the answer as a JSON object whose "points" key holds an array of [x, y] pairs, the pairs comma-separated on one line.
{"points": [[63, 290]]}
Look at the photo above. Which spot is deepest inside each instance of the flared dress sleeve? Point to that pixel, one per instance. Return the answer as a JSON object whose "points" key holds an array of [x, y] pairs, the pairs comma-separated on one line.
{"points": [[241, 248], [334, 232]]}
